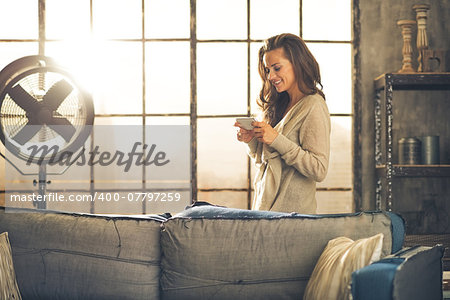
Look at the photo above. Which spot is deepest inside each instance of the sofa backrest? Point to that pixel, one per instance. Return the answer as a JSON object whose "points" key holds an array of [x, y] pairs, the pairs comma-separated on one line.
{"points": [[202, 253], [76, 256], [218, 253]]}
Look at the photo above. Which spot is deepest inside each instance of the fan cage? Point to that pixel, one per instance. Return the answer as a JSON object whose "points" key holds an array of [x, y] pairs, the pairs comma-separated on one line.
{"points": [[77, 108]]}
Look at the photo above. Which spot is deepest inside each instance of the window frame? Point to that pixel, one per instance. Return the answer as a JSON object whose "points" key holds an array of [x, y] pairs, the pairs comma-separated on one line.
{"points": [[355, 115]]}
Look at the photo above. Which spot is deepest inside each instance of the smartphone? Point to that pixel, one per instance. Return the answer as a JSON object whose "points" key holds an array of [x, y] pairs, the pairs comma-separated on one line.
{"points": [[246, 123]]}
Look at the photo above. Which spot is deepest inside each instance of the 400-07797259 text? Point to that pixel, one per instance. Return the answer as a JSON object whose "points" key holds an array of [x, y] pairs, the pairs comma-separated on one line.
{"points": [[99, 196]]}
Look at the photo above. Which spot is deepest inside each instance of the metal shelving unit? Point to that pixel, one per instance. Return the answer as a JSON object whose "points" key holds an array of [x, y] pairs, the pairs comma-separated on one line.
{"points": [[386, 170]]}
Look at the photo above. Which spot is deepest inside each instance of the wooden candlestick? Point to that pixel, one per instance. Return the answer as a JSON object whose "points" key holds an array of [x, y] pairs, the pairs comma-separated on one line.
{"points": [[406, 26], [422, 41]]}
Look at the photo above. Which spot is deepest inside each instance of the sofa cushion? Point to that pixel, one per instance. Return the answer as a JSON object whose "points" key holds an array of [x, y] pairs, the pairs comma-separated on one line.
{"points": [[411, 274], [220, 253], [342, 256], [78, 256], [8, 283]]}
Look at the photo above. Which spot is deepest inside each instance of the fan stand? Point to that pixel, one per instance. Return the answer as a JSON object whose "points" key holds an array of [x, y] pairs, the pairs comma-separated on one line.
{"points": [[42, 188]]}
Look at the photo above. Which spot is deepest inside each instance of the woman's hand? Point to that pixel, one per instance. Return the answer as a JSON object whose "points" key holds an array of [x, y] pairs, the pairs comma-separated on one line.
{"points": [[244, 135], [264, 132]]}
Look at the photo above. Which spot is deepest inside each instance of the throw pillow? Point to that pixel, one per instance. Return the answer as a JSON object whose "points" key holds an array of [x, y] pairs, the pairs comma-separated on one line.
{"points": [[331, 276], [8, 283]]}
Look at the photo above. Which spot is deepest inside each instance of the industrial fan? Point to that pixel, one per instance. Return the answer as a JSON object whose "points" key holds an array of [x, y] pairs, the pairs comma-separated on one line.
{"points": [[41, 107]]}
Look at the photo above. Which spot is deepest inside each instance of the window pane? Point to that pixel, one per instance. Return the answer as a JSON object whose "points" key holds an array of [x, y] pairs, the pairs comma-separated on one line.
{"points": [[74, 177], [221, 19], [255, 79], [222, 160], [340, 165], [113, 19], [78, 57], [9, 52], [334, 202], [62, 25], [332, 23], [174, 177], [70, 206], [226, 198], [167, 120], [270, 17], [118, 85], [335, 69], [122, 206], [168, 77], [112, 71], [19, 204], [167, 19], [19, 19], [112, 139], [222, 78], [118, 121]]}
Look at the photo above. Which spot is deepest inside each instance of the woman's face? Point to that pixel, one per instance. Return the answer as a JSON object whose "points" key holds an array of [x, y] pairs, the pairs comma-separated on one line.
{"points": [[280, 72]]}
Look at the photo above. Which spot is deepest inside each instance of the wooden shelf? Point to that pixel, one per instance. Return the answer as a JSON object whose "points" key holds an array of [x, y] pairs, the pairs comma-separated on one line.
{"points": [[415, 170], [414, 81]]}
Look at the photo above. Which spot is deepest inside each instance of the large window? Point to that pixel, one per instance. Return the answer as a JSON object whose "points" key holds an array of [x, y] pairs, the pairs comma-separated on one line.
{"points": [[192, 62]]}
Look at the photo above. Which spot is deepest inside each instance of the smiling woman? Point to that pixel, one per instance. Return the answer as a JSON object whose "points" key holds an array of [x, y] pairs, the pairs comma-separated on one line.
{"points": [[291, 146], [189, 62]]}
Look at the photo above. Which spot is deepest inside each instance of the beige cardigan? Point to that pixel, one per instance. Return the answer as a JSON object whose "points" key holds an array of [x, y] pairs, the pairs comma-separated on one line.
{"points": [[288, 168]]}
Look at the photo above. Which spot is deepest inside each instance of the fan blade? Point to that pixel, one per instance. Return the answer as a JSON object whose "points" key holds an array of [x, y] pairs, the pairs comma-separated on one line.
{"points": [[23, 99], [57, 94], [63, 127], [26, 133]]}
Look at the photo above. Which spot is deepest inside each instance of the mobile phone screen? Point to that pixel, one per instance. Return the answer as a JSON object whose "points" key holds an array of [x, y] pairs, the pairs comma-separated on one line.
{"points": [[246, 123]]}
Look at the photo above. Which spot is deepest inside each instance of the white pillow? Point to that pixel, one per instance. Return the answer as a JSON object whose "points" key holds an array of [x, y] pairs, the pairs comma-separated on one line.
{"points": [[331, 276], [8, 283]]}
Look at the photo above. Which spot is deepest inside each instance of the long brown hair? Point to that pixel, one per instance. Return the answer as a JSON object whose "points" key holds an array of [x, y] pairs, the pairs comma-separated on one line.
{"points": [[306, 70]]}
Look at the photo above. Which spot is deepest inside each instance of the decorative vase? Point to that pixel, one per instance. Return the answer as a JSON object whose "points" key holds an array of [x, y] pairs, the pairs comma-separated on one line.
{"points": [[422, 41], [406, 26]]}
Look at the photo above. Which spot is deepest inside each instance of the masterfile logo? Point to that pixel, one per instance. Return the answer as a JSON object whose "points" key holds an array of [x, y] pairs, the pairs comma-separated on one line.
{"points": [[148, 156], [118, 169]]}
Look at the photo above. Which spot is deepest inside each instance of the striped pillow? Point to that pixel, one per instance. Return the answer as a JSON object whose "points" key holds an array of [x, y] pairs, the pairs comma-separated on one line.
{"points": [[8, 283]]}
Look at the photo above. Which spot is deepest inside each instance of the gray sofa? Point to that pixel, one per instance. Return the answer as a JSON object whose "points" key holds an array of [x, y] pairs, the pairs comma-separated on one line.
{"points": [[206, 252]]}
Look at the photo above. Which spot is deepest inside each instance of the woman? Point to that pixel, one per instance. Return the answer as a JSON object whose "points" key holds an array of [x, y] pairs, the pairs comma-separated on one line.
{"points": [[291, 145]]}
